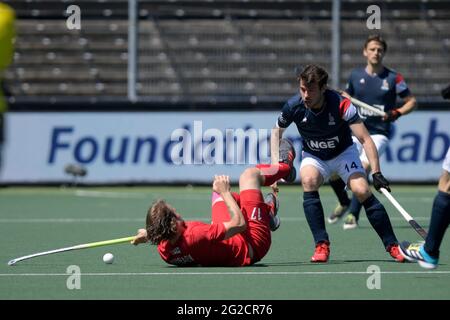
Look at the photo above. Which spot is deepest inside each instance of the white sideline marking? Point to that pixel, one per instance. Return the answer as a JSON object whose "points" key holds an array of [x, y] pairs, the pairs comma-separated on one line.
{"points": [[119, 195], [70, 220], [137, 195], [130, 195], [103, 220], [281, 273], [199, 195], [108, 194]]}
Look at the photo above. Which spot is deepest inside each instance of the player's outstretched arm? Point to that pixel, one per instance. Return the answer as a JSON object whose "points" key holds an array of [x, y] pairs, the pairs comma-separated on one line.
{"points": [[237, 223]]}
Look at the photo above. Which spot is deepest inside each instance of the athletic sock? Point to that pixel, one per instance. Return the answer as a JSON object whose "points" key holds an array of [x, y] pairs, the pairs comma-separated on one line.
{"points": [[314, 215], [440, 219], [355, 207], [339, 189], [273, 172], [379, 219]]}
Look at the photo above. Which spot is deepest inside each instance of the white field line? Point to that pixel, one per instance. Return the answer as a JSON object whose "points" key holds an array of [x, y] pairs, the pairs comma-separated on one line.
{"points": [[243, 273], [120, 220], [137, 195], [180, 195], [117, 195], [109, 194], [198, 197], [71, 220], [127, 195]]}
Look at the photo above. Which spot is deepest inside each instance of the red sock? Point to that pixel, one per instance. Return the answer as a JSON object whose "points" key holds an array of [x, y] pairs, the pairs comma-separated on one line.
{"points": [[273, 172]]}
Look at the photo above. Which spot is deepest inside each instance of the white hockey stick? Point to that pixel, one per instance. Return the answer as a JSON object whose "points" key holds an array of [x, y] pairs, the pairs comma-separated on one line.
{"points": [[405, 214], [367, 106], [77, 247]]}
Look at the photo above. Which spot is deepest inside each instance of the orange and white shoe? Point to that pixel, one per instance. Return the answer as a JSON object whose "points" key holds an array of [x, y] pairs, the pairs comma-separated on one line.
{"points": [[395, 253], [322, 252]]}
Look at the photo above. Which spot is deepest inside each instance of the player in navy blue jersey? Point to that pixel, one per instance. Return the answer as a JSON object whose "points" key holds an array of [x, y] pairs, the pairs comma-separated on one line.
{"points": [[326, 120], [379, 87]]}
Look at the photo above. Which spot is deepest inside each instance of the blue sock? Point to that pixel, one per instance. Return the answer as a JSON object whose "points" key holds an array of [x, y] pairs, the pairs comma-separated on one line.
{"points": [[314, 215], [339, 189], [355, 207], [379, 220], [440, 219], [427, 257]]}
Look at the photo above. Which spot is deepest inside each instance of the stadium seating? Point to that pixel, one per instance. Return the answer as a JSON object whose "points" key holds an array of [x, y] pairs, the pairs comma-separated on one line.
{"points": [[243, 50]]}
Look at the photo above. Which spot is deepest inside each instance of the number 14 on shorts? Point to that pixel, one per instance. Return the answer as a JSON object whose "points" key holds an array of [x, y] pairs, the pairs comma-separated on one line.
{"points": [[352, 166]]}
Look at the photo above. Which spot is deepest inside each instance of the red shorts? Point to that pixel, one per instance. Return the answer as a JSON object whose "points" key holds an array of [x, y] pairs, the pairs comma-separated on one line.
{"points": [[219, 212], [256, 213]]}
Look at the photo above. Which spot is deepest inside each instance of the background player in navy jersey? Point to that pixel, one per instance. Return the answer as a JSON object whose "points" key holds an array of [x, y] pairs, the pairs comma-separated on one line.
{"points": [[378, 86], [325, 120]]}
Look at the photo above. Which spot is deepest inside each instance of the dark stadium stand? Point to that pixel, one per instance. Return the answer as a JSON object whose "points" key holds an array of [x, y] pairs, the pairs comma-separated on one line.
{"points": [[217, 51]]}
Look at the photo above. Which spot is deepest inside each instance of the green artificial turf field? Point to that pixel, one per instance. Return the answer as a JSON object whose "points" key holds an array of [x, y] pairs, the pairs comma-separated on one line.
{"points": [[41, 219]]}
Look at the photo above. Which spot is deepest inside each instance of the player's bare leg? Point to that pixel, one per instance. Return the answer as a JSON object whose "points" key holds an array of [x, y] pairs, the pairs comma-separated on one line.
{"points": [[251, 178]]}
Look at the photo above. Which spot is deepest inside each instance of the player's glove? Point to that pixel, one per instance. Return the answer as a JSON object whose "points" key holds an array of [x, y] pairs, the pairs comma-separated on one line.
{"points": [[379, 181], [392, 115]]}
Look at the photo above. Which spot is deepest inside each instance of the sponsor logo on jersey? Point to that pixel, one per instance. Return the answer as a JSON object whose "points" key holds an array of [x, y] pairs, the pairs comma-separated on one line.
{"points": [[362, 81], [331, 121], [385, 85], [318, 145]]}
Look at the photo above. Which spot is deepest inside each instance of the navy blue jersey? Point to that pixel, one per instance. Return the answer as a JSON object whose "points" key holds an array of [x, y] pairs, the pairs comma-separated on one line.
{"points": [[380, 91], [325, 132]]}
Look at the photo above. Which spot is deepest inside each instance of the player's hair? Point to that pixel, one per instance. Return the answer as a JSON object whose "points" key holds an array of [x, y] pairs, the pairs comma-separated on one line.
{"points": [[161, 222], [377, 38], [313, 73]]}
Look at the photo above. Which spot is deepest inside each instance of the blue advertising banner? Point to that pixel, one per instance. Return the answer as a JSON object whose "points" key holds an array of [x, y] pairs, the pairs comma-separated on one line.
{"points": [[160, 147]]}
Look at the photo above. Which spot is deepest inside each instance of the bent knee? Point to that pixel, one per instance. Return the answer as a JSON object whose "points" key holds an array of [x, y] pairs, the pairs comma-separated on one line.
{"points": [[361, 192], [249, 174], [311, 183]]}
